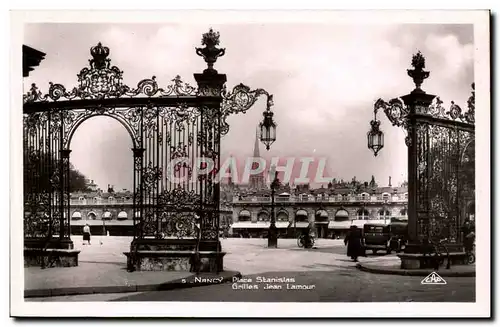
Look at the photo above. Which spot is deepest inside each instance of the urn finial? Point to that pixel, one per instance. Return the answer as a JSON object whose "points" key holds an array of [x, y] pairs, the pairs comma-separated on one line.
{"points": [[210, 52], [418, 74]]}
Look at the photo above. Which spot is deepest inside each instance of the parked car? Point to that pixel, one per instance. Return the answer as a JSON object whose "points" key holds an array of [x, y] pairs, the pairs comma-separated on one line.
{"points": [[386, 237]]}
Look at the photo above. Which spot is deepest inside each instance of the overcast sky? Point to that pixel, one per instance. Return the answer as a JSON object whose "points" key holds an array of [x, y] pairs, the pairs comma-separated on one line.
{"points": [[325, 79]]}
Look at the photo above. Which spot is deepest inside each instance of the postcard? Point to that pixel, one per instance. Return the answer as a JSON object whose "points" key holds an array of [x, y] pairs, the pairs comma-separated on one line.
{"points": [[250, 164]]}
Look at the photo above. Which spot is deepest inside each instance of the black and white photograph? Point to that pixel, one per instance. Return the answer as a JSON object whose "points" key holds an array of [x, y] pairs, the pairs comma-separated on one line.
{"points": [[200, 163]]}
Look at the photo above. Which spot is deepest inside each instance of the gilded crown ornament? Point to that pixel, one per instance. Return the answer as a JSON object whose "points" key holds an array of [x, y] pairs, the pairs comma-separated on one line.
{"points": [[418, 74], [100, 56], [210, 52]]}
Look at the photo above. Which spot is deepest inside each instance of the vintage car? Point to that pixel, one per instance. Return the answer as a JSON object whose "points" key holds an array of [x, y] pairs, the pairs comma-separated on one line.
{"points": [[386, 237]]}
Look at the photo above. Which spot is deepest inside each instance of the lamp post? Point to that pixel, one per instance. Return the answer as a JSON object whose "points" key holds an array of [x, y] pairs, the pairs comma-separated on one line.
{"points": [[272, 236], [401, 112], [375, 135], [268, 125]]}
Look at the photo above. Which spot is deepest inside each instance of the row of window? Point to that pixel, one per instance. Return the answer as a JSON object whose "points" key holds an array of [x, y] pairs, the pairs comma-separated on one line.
{"points": [[362, 214], [106, 215], [98, 199], [306, 198], [363, 196]]}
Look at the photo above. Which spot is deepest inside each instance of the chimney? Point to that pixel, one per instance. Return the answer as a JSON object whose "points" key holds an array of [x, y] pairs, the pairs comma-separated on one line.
{"points": [[390, 181]]}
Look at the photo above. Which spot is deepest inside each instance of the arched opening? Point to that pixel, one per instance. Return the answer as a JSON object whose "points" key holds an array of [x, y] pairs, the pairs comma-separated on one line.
{"points": [[101, 150], [282, 216], [339, 227], [321, 215], [77, 215], [263, 216], [342, 215], [244, 215], [107, 215], [301, 215], [321, 223]]}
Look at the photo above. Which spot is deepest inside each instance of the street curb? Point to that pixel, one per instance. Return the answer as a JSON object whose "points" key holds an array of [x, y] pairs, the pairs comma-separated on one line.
{"points": [[417, 272], [191, 281]]}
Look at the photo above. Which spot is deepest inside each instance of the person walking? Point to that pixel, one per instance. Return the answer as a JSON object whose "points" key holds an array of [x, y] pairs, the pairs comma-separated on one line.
{"points": [[86, 234], [354, 243], [469, 236]]}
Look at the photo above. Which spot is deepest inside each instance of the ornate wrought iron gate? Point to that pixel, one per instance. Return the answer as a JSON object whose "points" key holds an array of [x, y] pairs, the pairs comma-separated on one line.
{"points": [[174, 131], [441, 152], [445, 169]]}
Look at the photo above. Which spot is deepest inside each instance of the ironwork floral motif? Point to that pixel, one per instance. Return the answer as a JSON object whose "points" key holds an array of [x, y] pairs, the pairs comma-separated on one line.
{"points": [[397, 112], [180, 116], [150, 177], [441, 185], [101, 80], [179, 199], [129, 117], [239, 100], [179, 225], [37, 214]]}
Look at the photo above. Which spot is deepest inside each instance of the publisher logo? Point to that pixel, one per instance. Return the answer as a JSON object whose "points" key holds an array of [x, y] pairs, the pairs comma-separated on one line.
{"points": [[433, 279]]}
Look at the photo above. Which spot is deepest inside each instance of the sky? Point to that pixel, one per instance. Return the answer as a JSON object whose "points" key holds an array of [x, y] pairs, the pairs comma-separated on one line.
{"points": [[324, 78]]}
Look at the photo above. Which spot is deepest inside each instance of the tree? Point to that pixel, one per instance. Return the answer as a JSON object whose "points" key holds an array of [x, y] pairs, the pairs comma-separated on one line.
{"points": [[77, 180], [41, 173]]}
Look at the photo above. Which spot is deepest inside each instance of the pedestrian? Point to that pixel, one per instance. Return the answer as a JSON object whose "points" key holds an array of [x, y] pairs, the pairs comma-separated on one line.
{"points": [[86, 234], [306, 237], [354, 242], [469, 236]]}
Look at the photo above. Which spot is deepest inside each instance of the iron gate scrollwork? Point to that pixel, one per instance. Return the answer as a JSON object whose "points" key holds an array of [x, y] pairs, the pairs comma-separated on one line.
{"points": [[445, 178], [171, 128]]}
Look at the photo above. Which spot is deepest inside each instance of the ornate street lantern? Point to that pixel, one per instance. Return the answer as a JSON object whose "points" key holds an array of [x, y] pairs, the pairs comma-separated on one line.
{"points": [[268, 126], [375, 136]]}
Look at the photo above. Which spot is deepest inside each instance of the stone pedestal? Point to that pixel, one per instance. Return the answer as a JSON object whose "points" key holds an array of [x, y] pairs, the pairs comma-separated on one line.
{"points": [[174, 254], [50, 258], [422, 256], [50, 253]]}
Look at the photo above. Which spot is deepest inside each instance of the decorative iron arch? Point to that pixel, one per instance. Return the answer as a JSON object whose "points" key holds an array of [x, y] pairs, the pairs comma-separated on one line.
{"points": [[84, 118]]}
